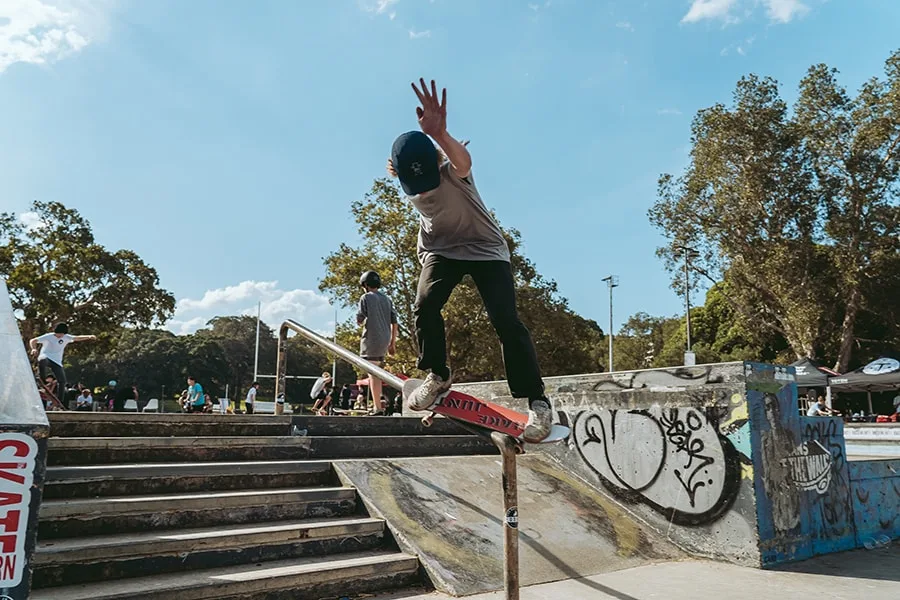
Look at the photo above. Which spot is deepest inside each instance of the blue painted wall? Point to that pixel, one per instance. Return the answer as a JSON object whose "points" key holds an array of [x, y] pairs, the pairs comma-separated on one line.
{"points": [[875, 495], [810, 499]]}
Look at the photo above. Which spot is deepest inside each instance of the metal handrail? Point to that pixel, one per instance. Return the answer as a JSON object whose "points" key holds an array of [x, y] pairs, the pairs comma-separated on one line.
{"points": [[372, 369]]}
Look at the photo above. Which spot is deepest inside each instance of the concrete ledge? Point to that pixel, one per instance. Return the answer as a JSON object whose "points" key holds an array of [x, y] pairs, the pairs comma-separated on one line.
{"points": [[80, 451], [122, 480], [101, 516], [79, 560], [310, 578]]}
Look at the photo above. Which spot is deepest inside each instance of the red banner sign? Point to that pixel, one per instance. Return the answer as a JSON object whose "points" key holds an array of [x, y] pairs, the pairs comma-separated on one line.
{"points": [[18, 453]]}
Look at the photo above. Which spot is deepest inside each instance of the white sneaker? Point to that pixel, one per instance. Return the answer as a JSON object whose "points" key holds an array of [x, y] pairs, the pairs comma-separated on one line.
{"points": [[428, 393], [540, 421]]}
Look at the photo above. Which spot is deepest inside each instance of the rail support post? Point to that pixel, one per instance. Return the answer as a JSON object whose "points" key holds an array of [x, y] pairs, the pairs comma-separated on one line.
{"points": [[509, 447], [281, 371]]}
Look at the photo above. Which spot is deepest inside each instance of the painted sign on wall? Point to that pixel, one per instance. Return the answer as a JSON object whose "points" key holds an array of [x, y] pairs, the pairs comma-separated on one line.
{"points": [[18, 453]]}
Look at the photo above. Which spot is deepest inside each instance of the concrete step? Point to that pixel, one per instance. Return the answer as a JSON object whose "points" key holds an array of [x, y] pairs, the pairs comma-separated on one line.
{"points": [[141, 426], [80, 560], [168, 478], [81, 417], [107, 450], [304, 578], [122, 514], [344, 426]]}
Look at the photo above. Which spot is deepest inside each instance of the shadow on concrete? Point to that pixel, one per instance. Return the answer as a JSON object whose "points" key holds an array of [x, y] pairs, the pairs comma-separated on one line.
{"points": [[524, 538], [880, 563]]}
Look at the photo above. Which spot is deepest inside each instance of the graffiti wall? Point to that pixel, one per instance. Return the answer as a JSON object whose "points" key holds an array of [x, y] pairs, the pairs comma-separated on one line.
{"points": [[801, 480], [672, 445], [719, 459]]}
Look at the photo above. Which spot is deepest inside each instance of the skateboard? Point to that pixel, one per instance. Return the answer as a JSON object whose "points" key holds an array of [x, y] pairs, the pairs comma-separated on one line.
{"points": [[472, 410], [53, 399]]}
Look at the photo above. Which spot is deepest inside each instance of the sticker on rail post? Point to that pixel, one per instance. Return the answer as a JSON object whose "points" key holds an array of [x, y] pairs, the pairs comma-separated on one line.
{"points": [[18, 453], [512, 518]]}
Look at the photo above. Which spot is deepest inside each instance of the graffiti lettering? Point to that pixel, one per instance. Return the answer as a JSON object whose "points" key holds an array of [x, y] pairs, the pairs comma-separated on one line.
{"points": [[673, 460], [810, 467]]}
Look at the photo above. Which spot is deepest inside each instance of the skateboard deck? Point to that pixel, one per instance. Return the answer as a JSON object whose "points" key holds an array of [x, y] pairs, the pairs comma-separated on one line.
{"points": [[463, 407], [53, 399]]}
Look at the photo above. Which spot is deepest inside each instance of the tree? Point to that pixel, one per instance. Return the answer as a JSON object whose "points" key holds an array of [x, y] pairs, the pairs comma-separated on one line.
{"points": [[388, 226], [56, 271], [854, 146], [795, 210]]}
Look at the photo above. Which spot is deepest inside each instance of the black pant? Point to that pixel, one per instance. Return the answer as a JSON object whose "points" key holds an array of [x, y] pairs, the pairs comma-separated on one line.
{"points": [[45, 365], [495, 283]]}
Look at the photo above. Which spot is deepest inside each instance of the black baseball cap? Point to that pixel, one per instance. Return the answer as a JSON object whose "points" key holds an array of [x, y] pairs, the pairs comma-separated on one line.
{"points": [[415, 160]]}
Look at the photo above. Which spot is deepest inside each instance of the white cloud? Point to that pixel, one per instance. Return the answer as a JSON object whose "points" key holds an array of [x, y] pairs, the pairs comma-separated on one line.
{"points": [[625, 25], [784, 11], [31, 220], [778, 11], [741, 48], [709, 9], [380, 7], [305, 306], [44, 31], [668, 111], [415, 35]]}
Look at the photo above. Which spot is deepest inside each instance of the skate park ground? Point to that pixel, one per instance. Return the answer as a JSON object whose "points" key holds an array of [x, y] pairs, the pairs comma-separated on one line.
{"points": [[869, 574]]}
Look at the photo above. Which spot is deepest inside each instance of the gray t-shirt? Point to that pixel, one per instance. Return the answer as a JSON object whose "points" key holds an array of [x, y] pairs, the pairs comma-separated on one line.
{"points": [[377, 313], [454, 222]]}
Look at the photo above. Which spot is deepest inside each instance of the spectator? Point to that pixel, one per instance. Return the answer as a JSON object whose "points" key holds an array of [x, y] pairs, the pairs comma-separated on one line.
{"points": [[195, 398], [251, 397], [818, 409], [85, 400]]}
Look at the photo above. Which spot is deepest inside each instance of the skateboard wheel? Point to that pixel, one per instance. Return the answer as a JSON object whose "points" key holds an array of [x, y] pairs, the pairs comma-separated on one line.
{"points": [[427, 421]]}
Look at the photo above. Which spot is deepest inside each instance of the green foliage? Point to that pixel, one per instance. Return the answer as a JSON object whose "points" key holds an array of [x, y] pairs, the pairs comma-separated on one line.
{"points": [[57, 271], [388, 226], [798, 212], [219, 355]]}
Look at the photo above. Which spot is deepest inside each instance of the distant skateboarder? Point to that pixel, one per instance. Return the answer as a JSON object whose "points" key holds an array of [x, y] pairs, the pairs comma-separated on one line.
{"points": [[53, 345], [458, 236], [379, 320]]}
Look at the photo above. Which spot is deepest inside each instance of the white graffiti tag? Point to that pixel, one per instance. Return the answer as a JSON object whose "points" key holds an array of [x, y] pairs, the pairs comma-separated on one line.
{"points": [[672, 458]]}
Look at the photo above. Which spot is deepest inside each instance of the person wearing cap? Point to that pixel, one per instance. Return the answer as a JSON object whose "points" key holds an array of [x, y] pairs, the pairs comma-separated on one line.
{"points": [[53, 345], [378, 317], [458, 236]]}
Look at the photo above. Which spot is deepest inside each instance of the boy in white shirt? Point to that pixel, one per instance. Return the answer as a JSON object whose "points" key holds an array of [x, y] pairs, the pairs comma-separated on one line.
{"points": [[251, 397], [52, 347]]}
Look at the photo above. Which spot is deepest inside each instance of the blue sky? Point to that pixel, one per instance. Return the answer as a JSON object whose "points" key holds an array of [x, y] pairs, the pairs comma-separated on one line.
{"points": [[224, 141]]}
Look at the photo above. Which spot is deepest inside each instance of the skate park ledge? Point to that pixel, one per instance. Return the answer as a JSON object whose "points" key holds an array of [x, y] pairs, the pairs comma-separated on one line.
{"points": [[719, 460]]}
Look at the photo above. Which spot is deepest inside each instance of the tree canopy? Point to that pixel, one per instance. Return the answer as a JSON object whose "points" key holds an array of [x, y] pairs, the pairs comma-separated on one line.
{"points": [[56, 271], [796, 210]]}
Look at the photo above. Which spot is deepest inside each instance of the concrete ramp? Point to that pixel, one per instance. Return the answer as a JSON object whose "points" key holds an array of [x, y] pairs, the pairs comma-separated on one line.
{"points": [[449, 512]]}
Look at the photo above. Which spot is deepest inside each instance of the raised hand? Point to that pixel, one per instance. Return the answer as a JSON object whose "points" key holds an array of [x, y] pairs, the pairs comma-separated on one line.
{"points": [[432, 115]]}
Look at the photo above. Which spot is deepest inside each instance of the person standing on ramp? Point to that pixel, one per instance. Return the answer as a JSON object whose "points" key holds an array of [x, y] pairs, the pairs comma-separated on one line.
{"points": [[458, 237]]}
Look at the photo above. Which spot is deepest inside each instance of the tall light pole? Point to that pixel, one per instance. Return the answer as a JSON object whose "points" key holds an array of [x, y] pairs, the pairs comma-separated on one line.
{"points": [[256, 356], [611, 282], [688, 253]]}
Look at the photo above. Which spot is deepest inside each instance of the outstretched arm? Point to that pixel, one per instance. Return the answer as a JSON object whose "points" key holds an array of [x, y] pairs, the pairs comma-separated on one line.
{"points": [[432, 117], [83, 338]]}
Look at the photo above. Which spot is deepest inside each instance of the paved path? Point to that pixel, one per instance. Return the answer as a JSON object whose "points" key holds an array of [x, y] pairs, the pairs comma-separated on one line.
{"points": [[861, 574]]}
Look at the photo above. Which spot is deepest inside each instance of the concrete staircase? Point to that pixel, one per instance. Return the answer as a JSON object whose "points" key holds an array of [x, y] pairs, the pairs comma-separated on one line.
{"points": [[219, 507]]}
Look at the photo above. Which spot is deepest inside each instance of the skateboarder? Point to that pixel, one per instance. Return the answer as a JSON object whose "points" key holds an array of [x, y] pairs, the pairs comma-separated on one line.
{"points": [[458, 236], [53, 345], [378, 317]]}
